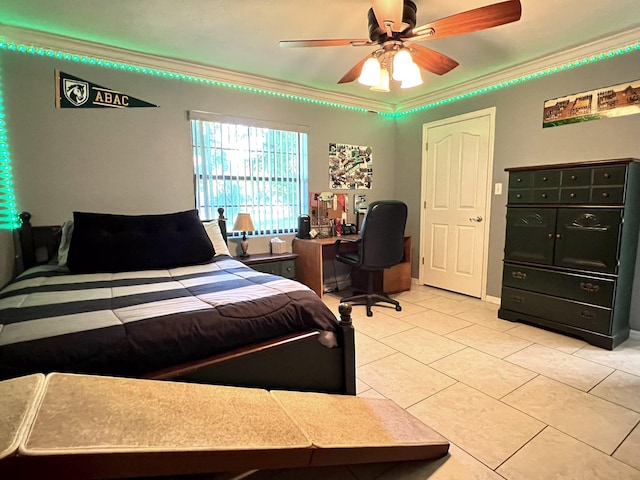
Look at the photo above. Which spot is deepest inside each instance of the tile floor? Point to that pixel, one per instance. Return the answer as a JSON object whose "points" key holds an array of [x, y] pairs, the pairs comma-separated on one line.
{"points": [[516, 402]]}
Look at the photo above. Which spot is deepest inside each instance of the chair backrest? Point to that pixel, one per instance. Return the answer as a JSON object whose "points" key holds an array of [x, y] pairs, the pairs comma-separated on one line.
{"points": [[383, 234]]}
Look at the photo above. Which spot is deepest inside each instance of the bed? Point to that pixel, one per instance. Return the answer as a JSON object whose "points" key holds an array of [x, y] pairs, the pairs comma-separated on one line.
{"points": [[159, 297]]}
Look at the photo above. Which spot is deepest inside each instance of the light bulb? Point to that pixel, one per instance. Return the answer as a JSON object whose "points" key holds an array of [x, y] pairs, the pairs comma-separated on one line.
{"points": [[370, 74]]}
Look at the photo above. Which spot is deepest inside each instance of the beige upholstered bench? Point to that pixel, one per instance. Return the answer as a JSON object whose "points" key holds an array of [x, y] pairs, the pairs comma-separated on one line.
{"points": [[80, 426]]}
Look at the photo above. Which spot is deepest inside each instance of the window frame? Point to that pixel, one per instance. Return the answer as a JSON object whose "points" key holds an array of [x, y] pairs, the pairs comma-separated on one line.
{"points": [[263, 221]]}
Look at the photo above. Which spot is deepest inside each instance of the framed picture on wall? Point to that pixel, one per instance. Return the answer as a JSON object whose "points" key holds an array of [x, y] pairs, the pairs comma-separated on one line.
{"points": [[613, 101]]}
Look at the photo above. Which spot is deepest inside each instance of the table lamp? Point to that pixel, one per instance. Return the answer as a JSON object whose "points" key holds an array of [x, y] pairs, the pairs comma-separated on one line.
{"points": [[244, 224]]}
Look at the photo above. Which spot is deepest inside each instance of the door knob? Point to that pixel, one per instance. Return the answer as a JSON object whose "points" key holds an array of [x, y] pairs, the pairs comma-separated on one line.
{"points": [[476, 219]]}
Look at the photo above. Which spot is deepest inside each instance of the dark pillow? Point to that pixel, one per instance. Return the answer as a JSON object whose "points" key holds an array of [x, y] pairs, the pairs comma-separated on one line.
{"points": [[119, 243]]}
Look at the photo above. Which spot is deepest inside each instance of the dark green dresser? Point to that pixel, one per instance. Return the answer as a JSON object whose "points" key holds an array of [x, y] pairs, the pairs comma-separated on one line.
{"points": [[570, 248]]}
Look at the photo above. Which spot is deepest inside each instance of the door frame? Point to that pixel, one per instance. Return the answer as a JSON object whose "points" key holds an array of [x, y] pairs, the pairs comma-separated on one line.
{"points": [[491, 112]]}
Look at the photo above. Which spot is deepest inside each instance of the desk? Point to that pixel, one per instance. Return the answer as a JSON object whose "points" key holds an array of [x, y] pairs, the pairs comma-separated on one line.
{"points": [[312, 252]]}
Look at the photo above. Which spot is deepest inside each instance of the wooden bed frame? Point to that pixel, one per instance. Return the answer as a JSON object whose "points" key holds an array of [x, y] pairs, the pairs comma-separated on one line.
{"points": [[291, 362]]}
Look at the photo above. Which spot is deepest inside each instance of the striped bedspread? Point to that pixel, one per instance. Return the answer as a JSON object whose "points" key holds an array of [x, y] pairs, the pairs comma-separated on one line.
{"points": [[133, 323]]}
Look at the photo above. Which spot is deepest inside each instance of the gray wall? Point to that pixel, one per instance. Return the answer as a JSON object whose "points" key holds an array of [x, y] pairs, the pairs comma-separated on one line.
{"points": [[140, 160], [520, 140]]}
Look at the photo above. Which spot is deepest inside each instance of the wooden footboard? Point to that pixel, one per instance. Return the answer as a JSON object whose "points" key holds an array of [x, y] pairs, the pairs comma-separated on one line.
{"points": [[293, 362]]}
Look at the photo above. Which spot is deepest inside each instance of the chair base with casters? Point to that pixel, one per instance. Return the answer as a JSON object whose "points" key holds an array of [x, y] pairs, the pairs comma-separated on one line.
{"points": [[371, 298], [380, 246]]}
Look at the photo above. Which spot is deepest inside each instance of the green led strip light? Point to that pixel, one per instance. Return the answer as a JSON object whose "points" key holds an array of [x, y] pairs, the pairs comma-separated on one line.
{"points": [[12, 47], [8, 213], [216, 83], [519, 80]]}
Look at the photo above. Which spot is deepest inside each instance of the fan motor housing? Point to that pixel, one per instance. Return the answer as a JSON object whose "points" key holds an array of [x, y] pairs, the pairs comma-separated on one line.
{"points": [[379, 35]]}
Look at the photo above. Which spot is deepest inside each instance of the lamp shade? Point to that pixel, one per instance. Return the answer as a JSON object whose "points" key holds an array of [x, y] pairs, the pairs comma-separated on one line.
{"points": [[243, 223], [413, 77], [383, 85], [402, 63], [370, 73]]}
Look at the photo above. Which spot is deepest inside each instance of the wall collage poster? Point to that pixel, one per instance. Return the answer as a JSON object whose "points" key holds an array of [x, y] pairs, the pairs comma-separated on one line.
{"points": [[350, 167]]}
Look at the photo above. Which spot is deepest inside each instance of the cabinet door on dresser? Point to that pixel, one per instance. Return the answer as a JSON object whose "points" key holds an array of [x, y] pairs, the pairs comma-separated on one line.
{"points": [[530, 235], [587, 239]]}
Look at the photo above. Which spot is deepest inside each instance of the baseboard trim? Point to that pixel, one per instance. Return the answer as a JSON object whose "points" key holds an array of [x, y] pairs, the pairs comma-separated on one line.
{"points": [[490, 299], [634, 334]]}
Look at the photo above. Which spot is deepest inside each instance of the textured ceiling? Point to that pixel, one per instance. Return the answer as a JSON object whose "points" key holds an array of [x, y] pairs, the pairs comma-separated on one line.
{"points": [[243, 35]]}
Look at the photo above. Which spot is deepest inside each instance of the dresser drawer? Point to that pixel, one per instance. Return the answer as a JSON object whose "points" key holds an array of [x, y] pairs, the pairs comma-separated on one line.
{"points": [[613, 175], [288, 268], [284, 268], [575, 195], [545, 195], [607, 195], [517, 195], [272, 267], [546, 179], [520, 179], [581, 288], [576, 177], [566, 312]]}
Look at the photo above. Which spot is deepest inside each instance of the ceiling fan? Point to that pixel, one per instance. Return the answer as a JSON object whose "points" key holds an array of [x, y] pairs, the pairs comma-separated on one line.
{"points": [[392, 29]]}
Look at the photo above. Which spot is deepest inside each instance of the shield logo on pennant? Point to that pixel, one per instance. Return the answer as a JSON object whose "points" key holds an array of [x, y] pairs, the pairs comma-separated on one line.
{"points": [[76, 91]]}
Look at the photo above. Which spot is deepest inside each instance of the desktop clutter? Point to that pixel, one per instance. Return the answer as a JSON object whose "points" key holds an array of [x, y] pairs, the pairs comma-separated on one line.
{"points": [[328, 216]]}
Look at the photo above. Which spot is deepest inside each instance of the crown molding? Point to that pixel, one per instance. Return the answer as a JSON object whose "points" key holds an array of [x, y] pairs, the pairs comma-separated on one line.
{"points": [[545, 63], [27, 37], [39, 39]]}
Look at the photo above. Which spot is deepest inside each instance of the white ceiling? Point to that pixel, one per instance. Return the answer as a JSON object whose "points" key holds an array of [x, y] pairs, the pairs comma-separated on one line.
{"points": [[243, 36]]}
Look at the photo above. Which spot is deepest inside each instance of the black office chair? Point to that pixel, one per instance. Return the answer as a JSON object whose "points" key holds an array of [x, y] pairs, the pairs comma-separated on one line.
{"points": [[380, 246]]}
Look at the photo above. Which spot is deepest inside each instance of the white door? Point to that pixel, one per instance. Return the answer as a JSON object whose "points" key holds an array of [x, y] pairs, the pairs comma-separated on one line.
{"points": [[456, 165]]}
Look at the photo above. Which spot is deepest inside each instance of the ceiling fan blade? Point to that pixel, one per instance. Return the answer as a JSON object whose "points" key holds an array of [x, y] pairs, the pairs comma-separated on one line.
{"points": [[431, 60], [354, 73], [338, 42], [389, 11], [469, 21]]}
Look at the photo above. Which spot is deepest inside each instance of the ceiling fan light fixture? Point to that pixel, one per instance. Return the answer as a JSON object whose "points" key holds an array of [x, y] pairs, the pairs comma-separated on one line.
{"points": [[413, 78], [383, 85], [402, 64], [370, 74]]}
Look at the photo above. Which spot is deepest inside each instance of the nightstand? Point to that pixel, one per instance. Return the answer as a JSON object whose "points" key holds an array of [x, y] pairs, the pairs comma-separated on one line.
{"points": [[283, 264]]}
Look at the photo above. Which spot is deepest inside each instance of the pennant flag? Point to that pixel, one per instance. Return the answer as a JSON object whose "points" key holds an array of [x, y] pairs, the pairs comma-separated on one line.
{"points": [[73, 92]]}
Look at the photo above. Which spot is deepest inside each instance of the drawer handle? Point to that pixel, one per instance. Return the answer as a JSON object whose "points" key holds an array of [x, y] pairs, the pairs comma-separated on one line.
{"points": [[518, 196], [544, 179], [517, 299], [589, 287], [558, 236], [607, 175], [519, 275], [573, 177], [572, 195], [588, 314], [605, 195], [549, 236], [544, 195], [518, 180]]}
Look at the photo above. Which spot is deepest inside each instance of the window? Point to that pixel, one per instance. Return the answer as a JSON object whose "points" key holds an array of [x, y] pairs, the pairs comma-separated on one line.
{"points": [[248, 166]]}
